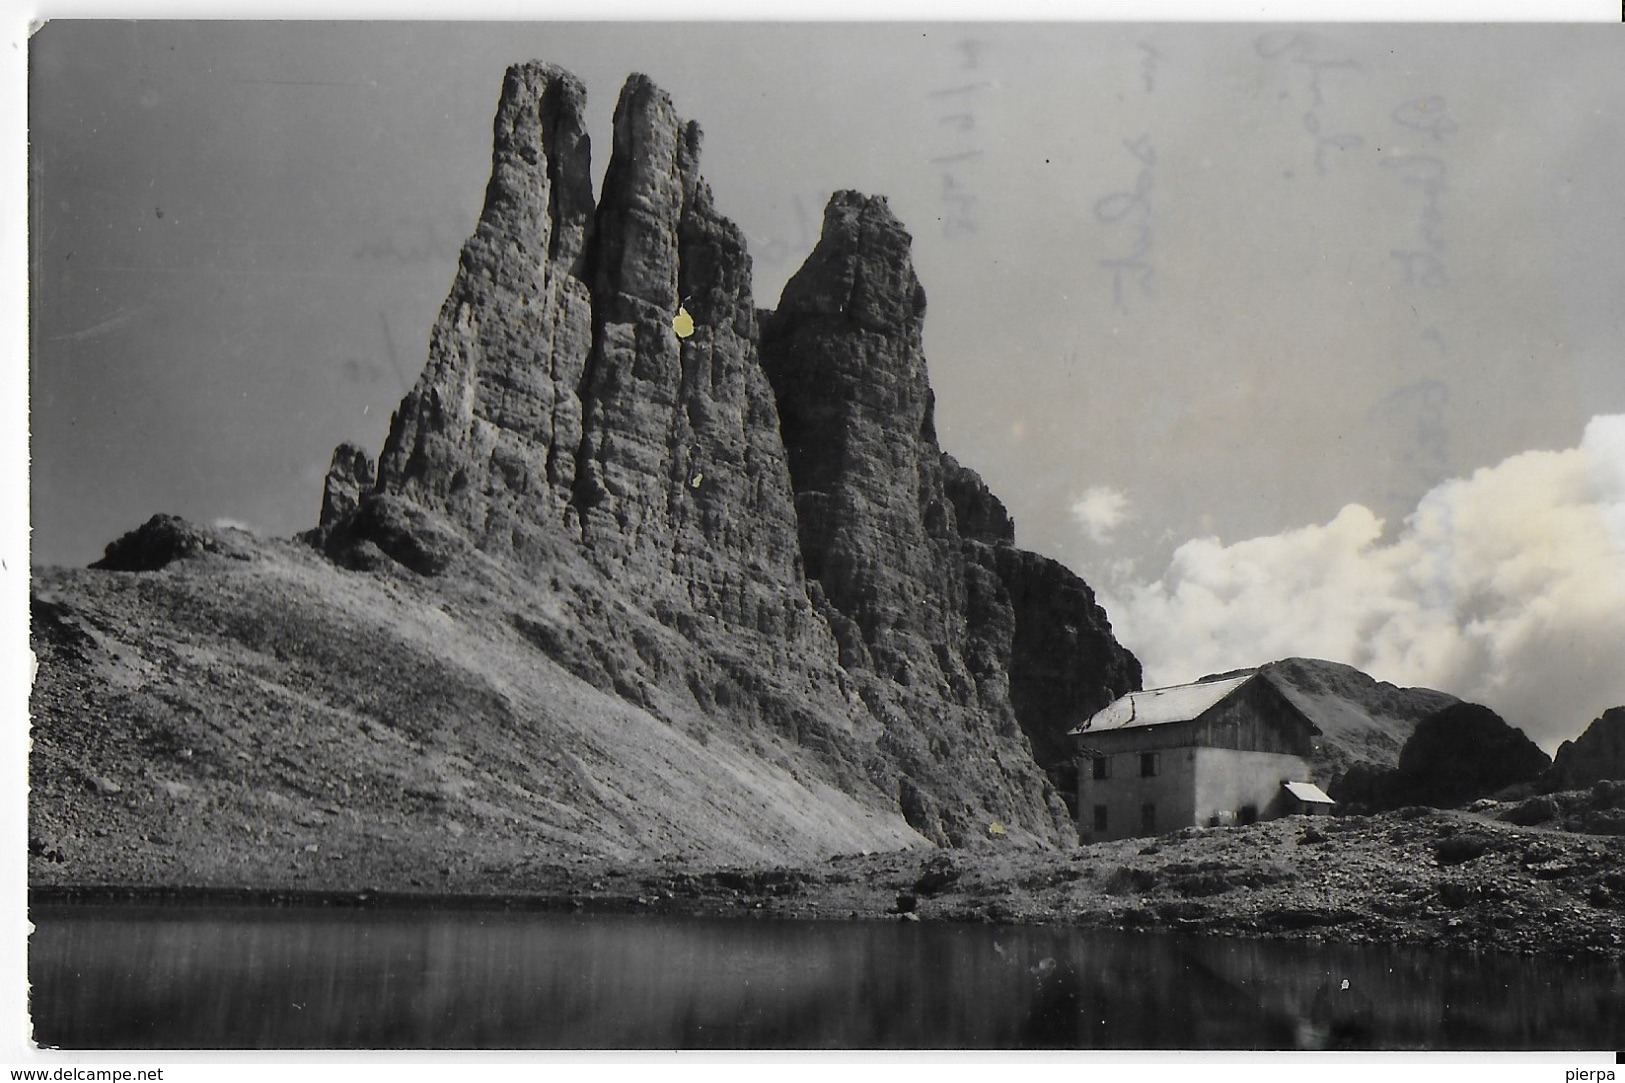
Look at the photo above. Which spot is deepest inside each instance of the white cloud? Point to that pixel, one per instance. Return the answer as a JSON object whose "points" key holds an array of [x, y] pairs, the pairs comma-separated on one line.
{"points": [[1506, 587], [1101, 510]]}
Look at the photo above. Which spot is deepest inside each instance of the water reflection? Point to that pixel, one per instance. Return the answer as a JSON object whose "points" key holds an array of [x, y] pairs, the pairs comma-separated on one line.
{"points": [[190, 977]]}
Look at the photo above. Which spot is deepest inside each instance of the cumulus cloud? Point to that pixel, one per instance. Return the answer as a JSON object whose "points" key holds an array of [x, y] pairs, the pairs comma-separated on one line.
{"points": [[1506, 588], [1100, 511]]}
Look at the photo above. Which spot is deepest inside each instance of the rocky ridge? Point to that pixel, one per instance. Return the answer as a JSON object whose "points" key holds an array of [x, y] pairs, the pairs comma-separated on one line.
{"points": [[743, 536]]}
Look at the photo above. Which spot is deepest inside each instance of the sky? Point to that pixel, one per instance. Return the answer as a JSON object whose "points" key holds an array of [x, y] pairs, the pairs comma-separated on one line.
{"points": [[1292, 340]]}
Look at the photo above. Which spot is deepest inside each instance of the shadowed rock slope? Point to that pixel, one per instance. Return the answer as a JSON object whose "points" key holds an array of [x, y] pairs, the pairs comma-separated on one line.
{"points": [[1598, 753], [588, 598]]}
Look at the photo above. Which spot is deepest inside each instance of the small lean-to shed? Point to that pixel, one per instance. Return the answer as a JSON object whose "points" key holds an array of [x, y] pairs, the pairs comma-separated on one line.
{"points": [[1205, 754], [1306, 799]]}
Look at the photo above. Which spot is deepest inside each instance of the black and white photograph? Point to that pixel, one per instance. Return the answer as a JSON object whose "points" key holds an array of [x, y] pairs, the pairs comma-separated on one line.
{"points": [[817, 536]]}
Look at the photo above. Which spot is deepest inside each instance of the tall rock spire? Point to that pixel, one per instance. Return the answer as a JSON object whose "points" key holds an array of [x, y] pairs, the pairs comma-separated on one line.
{"points": [[479, 438], [681, 470], [843, 351], [927, 623]]}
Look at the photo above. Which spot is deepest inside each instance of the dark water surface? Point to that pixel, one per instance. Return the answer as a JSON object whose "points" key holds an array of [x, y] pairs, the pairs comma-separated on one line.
{"points": [[127, 976]]}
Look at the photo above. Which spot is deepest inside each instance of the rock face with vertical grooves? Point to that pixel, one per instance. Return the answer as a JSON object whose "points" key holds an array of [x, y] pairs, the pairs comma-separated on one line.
{"points": [[947, 622], [856, 413], [476, 438], [1064, 663], [680, 480]]}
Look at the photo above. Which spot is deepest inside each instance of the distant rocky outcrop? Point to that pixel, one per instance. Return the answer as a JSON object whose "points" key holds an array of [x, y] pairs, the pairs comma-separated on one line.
{"points": [[1363, 722], [159, 542], [1597, 754], [383, 527], [774, 495], [1382, 745], [351, 474], [1456, 755], [1465, 752]]}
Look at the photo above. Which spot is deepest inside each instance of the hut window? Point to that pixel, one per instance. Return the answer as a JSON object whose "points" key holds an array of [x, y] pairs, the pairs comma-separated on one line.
{"points": [[1150, 764], [1100, 817], [1103, 767], [1148, 817]]}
